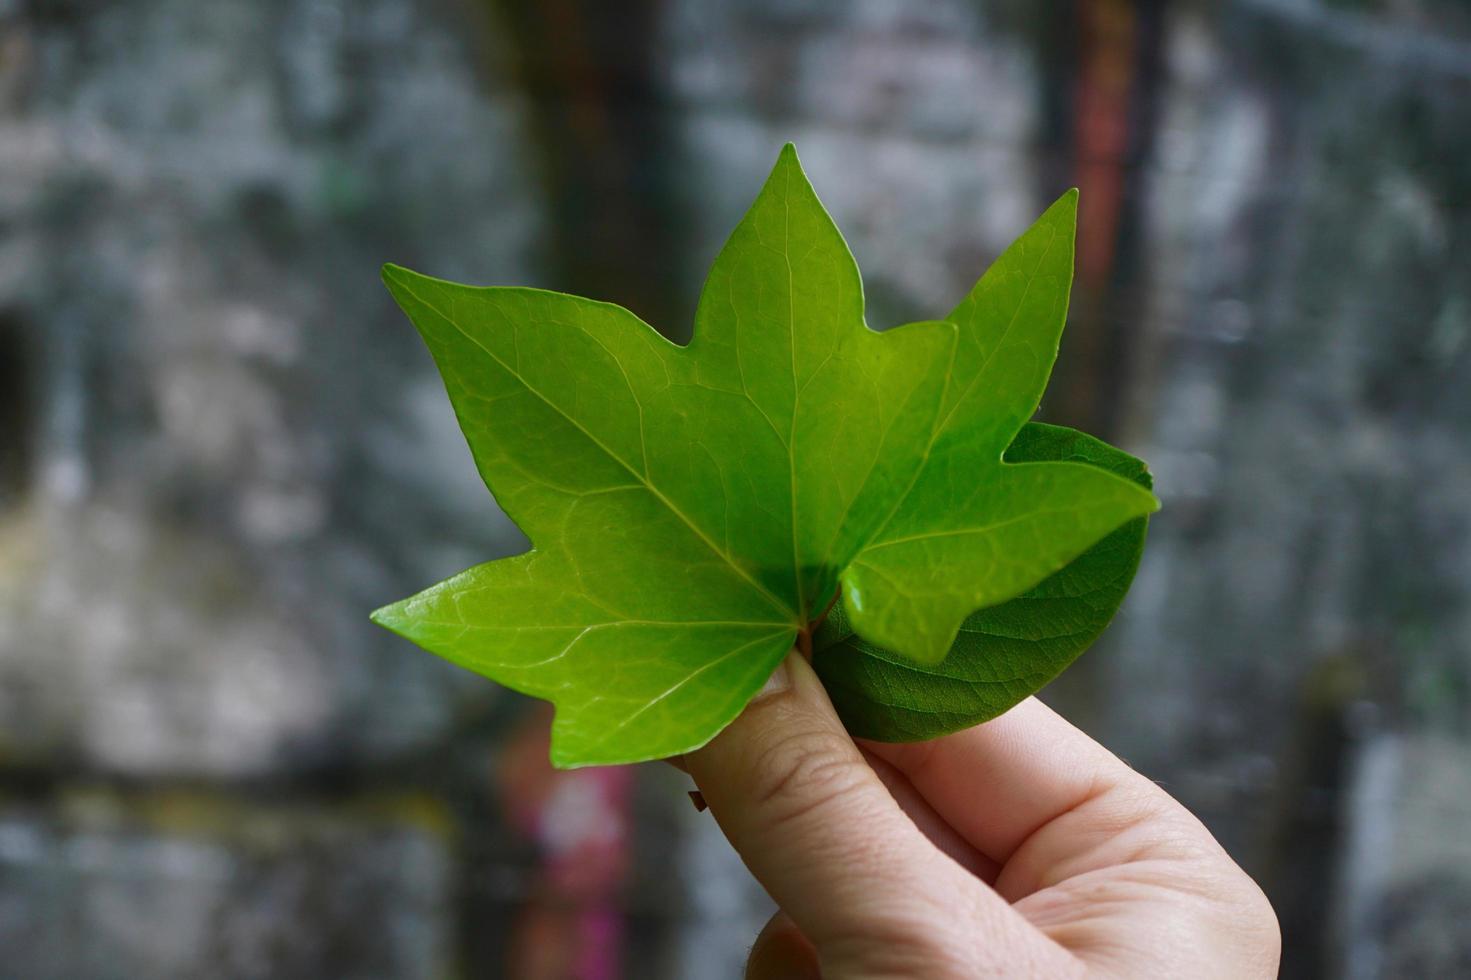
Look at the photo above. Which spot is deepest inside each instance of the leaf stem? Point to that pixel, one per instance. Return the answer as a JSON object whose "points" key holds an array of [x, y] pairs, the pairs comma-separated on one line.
{"points": [[804, 635], [822, 617]]}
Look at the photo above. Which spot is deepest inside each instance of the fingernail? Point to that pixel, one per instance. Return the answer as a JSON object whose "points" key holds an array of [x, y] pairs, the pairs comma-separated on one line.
{"points": [[779, 681]]}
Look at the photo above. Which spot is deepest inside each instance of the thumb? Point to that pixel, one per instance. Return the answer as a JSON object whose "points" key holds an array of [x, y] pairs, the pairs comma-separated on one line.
{"points": [[819, 830]]}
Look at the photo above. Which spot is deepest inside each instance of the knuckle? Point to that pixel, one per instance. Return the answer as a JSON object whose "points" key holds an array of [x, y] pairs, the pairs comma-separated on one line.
{"points": [[895, 948], [804, 772]]}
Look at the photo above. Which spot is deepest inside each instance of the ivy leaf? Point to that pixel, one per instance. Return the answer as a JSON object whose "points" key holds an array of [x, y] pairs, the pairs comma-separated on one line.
{"points": [[1004, 653], [971, 531], [692, 509]]}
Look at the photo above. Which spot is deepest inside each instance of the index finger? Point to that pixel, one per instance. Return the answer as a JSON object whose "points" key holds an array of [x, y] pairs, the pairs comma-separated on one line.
{"points": [[1000, 782]]}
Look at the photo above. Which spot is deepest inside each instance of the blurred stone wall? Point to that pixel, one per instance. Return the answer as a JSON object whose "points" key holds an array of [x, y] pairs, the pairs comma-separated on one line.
{"points": [[236, 450], [220, 445], [225, 451]]}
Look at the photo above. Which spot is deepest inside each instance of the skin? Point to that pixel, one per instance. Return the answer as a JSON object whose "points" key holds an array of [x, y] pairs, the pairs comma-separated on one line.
{"points": [[1019, 848]]}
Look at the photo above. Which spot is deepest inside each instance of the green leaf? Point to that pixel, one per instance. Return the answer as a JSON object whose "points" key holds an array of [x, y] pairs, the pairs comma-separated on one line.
{"points": [[970, 531], [692, 509], [1004, 653]]}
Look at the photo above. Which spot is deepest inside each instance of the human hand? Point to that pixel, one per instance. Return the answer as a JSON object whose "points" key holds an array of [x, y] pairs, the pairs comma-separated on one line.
{"points": [[1018, 848]]}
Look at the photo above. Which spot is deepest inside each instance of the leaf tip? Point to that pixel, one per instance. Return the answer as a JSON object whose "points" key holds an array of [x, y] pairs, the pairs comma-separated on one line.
{"points": [[563, 760], [403, 285], [1139, 498], [390, 617], [1148, 500], [787, 161], [397, 278]]}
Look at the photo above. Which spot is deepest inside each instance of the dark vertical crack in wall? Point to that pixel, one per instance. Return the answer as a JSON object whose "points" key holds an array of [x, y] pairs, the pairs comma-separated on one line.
{"points": [[603, 147], [17, 407]]}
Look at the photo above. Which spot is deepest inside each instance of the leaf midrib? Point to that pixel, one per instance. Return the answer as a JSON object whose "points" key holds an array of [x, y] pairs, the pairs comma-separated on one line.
{"points": [[786, 255]]}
